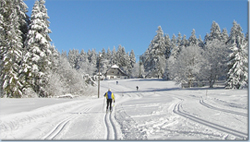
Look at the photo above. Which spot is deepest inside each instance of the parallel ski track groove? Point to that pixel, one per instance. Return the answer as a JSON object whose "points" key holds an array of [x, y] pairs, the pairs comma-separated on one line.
{"points": [[209, 124], [106, 123], [113, 126], [60, 126], [110, 128], [223, 110]]}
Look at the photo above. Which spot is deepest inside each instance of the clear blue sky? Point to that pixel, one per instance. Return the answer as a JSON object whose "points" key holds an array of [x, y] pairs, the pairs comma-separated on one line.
{"points": [[98, 24]]}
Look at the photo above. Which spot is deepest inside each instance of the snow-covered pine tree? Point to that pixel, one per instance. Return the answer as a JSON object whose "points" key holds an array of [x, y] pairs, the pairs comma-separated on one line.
{"points": [[89, 56], [224, 35], [168, 46], [246, 49], [132, 58], [155, 61], [104, 55], [184, 42], [1, 48], [92, 59], [104, 63], [173, 40], [83, 62], [105, 59], [246, 37], [98, 62], [23, 19], [37, 59], [200, 42], [109, 55], [237, 76], [126, 67], [82, 57], [236, 31], [215, 32], [206, 39], [174, 54], [179, 39], [113, 57], [143, 62], [238, 73], [63, 54], [73, 57], [120, 56], [12, 15], [192, 41], [131, 62]]}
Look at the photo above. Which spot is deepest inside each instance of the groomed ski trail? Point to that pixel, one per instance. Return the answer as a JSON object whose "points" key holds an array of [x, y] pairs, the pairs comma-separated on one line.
{"points": [[202, 102], [178, 109], [111, 129]]}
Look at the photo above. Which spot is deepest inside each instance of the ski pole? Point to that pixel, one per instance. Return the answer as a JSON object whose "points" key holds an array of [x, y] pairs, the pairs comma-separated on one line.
{"points": [[113, 106]]}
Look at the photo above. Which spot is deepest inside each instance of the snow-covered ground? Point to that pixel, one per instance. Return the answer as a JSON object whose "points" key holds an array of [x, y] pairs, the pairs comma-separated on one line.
{"points": [[159, 110]]}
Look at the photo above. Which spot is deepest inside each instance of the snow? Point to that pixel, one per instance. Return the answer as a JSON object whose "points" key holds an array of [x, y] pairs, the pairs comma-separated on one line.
{"points": [[115, 67], [159, 110]]}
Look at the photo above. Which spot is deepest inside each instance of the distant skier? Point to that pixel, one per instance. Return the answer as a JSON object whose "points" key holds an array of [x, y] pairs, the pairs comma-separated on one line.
{"points": [[109, 96], [137, 88], [116, 82]]}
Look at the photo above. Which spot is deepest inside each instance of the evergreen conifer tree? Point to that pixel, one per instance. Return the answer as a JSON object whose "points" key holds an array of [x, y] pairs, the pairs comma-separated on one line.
{"points": [[132, 58], [12, 14], [175, 48], [237, 76], [215, 32], [224, 35], [104, 56], [200, 42], [108, 56], [37, 59], [192, 41], [73, 57], [113, 57], [168, 46], [155, 60], [179, 39], [184, 42], [120, 56]]}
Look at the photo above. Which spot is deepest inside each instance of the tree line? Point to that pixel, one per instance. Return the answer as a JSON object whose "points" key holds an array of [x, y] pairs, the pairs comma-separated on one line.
{"points": [[193, 61], [89, 62]]}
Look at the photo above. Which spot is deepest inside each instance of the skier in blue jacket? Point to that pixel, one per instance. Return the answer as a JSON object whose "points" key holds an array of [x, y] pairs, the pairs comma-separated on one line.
{"points": [[110, 97]]}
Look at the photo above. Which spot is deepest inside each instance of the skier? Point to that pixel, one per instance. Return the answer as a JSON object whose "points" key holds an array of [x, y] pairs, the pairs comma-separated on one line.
{"points": [[109, 96], [137, 88]]}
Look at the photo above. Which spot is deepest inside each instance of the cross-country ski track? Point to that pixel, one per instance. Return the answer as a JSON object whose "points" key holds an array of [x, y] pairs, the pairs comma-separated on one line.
{"points": [[111, 129], [179, 110], [159, 110]]}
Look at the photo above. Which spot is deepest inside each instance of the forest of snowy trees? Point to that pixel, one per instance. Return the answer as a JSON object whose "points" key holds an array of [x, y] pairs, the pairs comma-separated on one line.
{"points": [[31, 67], [193, 61]]}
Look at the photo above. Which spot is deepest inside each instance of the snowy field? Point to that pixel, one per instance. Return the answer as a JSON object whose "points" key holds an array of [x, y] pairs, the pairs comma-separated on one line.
{"points": [[159, 110]]}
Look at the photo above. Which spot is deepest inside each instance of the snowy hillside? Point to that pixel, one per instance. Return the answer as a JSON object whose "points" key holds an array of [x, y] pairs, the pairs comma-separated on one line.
{"points": [[158, 110]]}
